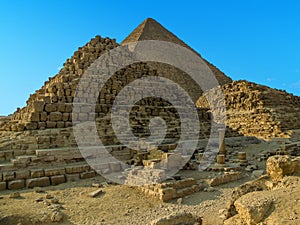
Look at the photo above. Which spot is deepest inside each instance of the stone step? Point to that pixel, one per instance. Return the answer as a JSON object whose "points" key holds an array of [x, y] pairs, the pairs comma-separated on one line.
{"points": [[57, 154], [6, 166]]}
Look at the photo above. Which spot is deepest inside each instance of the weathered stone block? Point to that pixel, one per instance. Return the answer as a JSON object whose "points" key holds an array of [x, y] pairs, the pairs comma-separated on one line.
{"points": [[16, 184], [38, 182], [35, 173], [88, 174], [24, 174], [279, 166], [2, 186], [72, 177], [58, 179], [8, 176], [77, 169], [34, 117], [51, 107], [55, 116], [54, 171], [50, 124], [38, 106]]}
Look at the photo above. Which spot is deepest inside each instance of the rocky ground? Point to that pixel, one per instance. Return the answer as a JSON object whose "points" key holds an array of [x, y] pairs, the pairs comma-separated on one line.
{"points": [[250, 200]]}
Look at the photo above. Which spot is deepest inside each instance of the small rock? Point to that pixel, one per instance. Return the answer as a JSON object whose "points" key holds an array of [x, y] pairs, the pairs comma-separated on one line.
{"points": [[258, 173], [39, 199], [56, 216], [179, 201], [48, 196], [97, 185], [39, 190], [95, 193], [15, 195], [54, 200]]}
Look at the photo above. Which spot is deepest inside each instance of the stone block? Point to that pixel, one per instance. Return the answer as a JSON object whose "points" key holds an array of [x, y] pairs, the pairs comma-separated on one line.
{"points": [[50, 124], [58, 179], [66, 117], [2, 186], [34, 117], [115, 166], [88, 174], [38, 106], [77, 169], [23, 174], [280, 165], [38, 182], [72, 177], [54, 171], [31, 126], [55, 116], [8, 176], [43, 116], [16, 184], [35, 173], [51, 107]]}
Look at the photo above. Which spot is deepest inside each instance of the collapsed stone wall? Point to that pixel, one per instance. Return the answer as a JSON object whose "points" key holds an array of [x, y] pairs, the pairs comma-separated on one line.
{"points": [[256, 110]]}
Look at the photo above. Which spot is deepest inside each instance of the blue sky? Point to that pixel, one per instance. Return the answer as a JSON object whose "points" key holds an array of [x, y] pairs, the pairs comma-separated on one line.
{"points": [[254, 40]]}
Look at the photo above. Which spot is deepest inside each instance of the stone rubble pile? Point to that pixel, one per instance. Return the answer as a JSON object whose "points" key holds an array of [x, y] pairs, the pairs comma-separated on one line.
{"points": [[256, 110]]}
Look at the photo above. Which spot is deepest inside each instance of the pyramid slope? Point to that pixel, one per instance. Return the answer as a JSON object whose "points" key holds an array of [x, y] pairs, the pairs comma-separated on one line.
{"points": [[257, 110], [150, 29]]}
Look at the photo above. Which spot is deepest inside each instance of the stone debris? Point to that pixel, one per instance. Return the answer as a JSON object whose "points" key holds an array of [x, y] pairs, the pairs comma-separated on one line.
{"points": [[178, 219], [96, 193], [170, 190], [279, 166], [15, 195], [225, 178]]}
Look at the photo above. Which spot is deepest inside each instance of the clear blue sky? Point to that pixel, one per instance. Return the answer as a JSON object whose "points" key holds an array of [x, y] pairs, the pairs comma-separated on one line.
{"points": [[255, 40]]}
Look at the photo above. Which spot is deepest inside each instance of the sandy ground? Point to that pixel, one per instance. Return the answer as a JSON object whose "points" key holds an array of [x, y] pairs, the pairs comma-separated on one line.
{"points": [[121, 204]]}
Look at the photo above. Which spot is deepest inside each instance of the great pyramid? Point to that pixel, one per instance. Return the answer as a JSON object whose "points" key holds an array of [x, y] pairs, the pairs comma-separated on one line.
{"points": [[40, 135]]}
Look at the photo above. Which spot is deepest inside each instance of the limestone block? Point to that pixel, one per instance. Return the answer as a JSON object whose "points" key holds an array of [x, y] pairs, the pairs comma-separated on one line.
{"points": [[77, 169], [88, 174], [41, 125], [54, 171], [66, 117], [35, 173], [55, 116], [115, 166], [61, 107], [38, 106], [281, 165], [38, 182], [177, 219], [23, 174], [50, 124], [58, 179], [8, 176], [2, 186], [34, 117], [253, 210], [51, 107], [43, 116], [31, 126], [60, 124], [16, 184], [72, 177]]}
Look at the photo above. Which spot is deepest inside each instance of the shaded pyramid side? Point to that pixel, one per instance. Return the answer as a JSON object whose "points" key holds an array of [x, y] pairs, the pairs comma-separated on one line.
{"points": [[150, 29], [260, 111]]}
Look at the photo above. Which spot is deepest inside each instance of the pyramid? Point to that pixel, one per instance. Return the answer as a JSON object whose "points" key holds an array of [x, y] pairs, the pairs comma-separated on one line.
{"points": [[150, 29], [258, 110]]}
